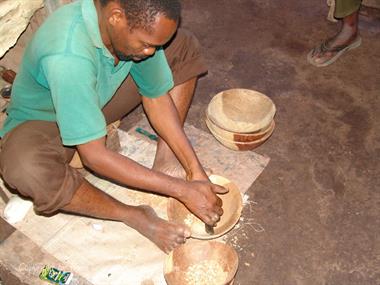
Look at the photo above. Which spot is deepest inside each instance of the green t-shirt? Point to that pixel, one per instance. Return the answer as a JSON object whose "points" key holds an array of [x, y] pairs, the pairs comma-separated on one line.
{"points": [[67, 75]]}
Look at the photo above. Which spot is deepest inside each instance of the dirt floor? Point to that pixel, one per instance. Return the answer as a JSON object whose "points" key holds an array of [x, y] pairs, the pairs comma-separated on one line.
{"points": [[313, 216], [318, 199]]}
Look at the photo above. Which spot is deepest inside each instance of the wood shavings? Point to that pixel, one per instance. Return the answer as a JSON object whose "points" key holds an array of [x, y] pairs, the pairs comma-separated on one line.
{"points": [[245, 199], [97, 227], [207, 272], [257, 227], [250, 222], [144, 198], [195, 224]]}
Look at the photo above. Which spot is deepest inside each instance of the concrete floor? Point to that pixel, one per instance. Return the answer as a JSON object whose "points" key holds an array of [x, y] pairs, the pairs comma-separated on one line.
{"points": [[318, 200]]}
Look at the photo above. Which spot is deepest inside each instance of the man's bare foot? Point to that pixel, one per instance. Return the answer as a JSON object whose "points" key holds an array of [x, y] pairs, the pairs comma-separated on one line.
{"points": [[176, 170], [173, 169], [166, 162], [164, 234]]}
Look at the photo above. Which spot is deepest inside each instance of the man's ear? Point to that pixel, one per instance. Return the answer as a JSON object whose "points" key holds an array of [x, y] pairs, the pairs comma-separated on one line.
{"points": [[116, 16]]}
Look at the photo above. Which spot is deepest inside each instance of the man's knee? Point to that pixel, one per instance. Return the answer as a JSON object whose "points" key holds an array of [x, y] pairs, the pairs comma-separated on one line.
{"points": [[48, 182], [20, 153], [24, 169], [38, 169], [185, 57], [16, 160], [16, 166]]}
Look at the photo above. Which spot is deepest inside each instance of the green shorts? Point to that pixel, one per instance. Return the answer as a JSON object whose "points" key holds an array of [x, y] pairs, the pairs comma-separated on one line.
{"points": [[345, 8]]}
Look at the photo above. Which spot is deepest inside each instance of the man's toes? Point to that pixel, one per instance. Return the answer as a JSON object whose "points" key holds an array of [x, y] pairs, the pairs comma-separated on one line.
{"points": [[174, 245], [180, 240], [184, 231]]}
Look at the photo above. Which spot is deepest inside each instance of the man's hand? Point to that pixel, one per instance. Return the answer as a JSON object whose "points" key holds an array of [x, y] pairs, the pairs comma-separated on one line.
{"points": [[201, 199]]}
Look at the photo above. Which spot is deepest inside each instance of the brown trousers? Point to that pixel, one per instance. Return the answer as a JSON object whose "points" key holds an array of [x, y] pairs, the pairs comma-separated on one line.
{"points": [[33, 160]]}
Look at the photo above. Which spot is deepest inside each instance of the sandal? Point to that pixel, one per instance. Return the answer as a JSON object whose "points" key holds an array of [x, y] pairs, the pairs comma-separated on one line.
{"points": [[322, 49]]}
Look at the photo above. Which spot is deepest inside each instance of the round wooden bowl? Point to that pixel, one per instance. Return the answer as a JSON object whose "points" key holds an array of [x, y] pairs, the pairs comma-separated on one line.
{"points": [[239, 137], [241, 110], [232, 207], [240, 145], [201, 263]]}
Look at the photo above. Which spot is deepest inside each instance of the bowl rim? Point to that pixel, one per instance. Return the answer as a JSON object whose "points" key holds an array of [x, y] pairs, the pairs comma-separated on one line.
{"points": [[248, 128], [254, 133]]}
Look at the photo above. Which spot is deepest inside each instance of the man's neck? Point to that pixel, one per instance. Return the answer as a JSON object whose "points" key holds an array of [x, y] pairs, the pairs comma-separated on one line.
{"points": [[103, 20]]}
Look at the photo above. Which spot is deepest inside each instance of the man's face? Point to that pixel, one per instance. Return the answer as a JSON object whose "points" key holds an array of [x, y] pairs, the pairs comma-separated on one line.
{"points": [[138, 44]]}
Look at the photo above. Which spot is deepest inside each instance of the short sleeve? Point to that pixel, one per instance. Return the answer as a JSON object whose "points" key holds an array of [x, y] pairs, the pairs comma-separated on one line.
{"points": [[72, 83], [153, 76]]}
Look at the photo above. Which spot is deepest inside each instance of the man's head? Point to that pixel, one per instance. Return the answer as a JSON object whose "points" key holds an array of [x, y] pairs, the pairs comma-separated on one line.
{"points": [[135, 28]]}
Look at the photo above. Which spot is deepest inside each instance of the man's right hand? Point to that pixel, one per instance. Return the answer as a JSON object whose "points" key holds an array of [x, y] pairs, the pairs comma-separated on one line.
{"points": [[199, 196], [201, 199]]}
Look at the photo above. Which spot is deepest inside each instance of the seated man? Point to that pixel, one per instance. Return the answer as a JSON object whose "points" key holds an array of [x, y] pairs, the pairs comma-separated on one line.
{"points": [[63, 98], [347, 38]]}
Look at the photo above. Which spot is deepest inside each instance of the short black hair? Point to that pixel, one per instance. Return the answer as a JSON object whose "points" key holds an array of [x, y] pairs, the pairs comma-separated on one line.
{"points": [[143, 13]]}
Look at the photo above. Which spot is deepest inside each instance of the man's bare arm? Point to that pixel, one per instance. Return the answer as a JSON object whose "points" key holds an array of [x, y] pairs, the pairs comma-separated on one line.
{"points": [[197, 195], [163, 116]]}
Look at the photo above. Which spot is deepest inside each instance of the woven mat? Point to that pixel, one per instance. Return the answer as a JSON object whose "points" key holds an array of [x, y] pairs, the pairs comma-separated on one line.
{"points": [[106, 252]]}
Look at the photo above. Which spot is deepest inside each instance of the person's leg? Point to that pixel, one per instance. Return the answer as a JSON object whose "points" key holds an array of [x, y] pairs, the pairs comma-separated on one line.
{"points": [[34, 163], [124, 101], [347, 37], [348, 31]]}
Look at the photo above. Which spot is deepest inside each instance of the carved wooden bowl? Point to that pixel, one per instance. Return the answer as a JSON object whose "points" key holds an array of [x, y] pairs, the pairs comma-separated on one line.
{"points": [[241, 110], [232, 207], [201, 263], [236, 141]]}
